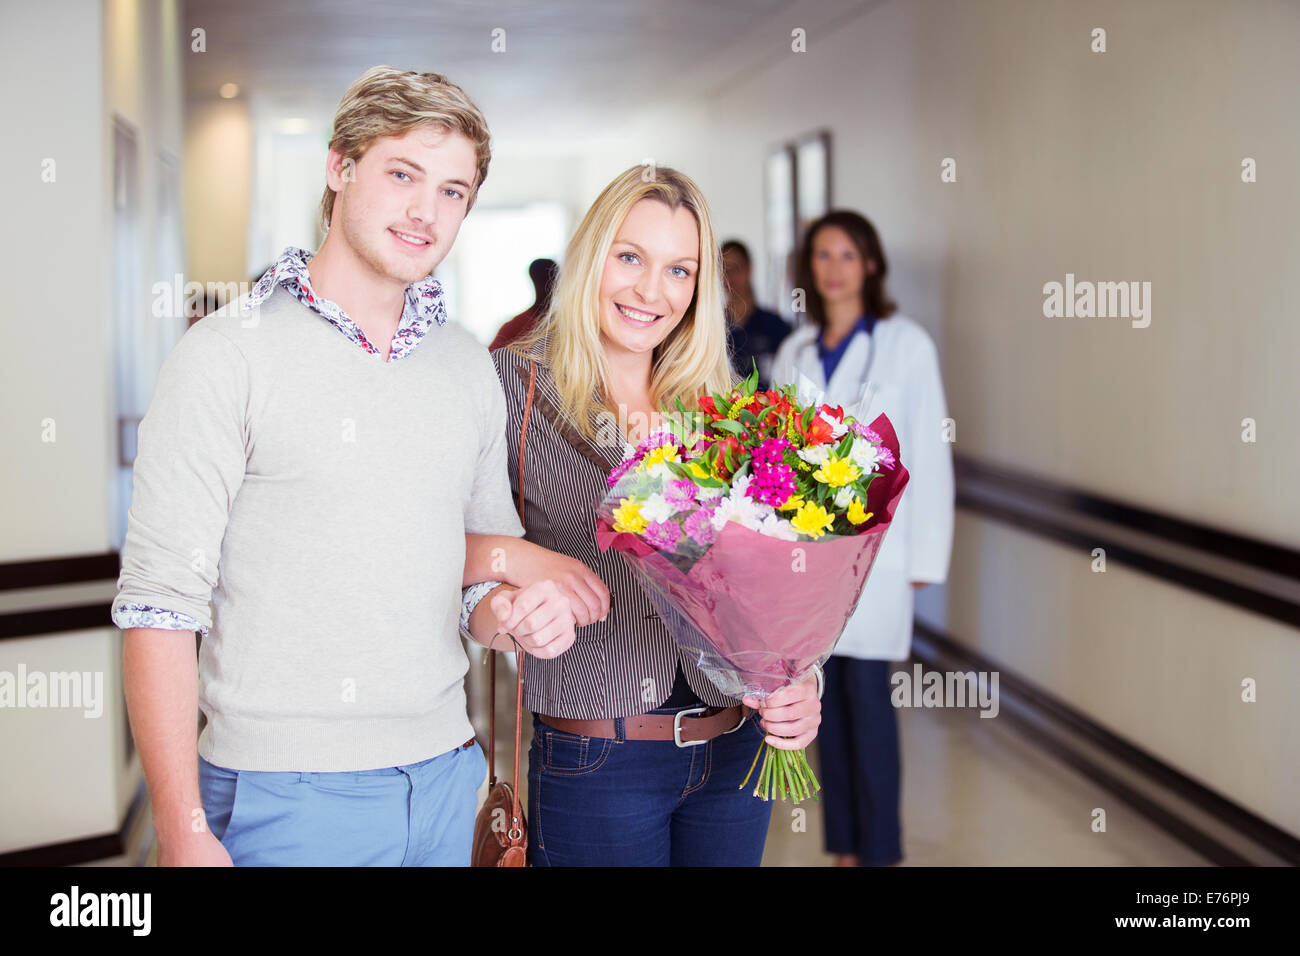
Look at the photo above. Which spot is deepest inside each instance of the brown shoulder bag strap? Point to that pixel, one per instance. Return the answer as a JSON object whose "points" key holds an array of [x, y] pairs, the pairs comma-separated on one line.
{"points": [[519, 654]]}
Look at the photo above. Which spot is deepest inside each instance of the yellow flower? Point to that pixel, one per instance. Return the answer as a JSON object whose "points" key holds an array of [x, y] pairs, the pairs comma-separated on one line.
{"points": [[660, 455], [794, 501], [858, 514], [837, 471], [697, 469], [735, 409], [812, 519], [627, 516]]}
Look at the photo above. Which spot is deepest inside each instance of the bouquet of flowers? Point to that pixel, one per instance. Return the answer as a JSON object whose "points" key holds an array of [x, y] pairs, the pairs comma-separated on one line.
{"points": [[752, 521]]}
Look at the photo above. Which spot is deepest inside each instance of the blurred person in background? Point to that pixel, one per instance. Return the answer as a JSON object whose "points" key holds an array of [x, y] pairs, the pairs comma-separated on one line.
{"points": [[855, 343], [542, 272], [753, 333]]}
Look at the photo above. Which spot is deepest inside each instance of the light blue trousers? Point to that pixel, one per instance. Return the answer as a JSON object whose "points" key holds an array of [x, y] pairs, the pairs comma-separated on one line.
{"points": [[421, 814]]}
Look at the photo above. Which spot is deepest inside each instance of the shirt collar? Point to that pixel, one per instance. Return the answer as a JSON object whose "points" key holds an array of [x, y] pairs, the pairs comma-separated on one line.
{"points": [[424, 302], [863, 324]]}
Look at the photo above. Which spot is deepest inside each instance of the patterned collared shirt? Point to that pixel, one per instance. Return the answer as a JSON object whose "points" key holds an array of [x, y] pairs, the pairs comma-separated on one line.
{"points": [[424, 306]]}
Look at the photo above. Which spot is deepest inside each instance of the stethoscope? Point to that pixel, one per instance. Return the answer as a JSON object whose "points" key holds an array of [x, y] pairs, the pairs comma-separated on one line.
{"points": [[867, 393]]}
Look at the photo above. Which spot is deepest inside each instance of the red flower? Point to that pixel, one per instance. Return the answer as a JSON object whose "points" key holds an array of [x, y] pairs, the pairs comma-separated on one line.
{"points": [[819, 431]]}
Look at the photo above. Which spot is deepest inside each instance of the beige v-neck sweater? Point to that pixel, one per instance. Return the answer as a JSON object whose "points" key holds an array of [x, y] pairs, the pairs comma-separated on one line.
{"points": [[318, 497]]}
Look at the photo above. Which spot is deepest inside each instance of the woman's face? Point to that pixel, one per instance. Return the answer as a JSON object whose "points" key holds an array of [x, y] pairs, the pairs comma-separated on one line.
{"points": [[649, 276], [838, 268]]}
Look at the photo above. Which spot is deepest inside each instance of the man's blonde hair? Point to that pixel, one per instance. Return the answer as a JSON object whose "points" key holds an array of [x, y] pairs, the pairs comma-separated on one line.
{"points": [[386, 101], [692, 361]]}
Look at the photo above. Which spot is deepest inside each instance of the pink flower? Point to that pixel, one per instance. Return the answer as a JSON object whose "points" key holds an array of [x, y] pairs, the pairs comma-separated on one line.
{"points": [[773, 480], [621, 469], [680, 493], [664, 535], [654, 440], [864, 431], [700, 526]]}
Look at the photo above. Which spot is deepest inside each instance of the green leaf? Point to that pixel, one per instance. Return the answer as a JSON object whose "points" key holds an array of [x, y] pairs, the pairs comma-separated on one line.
{"points": [[748, 417], [721, 404], [729, 425]]}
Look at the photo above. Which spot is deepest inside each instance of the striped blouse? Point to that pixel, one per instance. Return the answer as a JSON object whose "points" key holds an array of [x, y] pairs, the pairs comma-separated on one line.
{"points": [[625, 664]]}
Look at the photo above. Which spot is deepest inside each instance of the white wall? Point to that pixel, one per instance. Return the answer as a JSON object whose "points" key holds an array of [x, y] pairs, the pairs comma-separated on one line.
{"points": [[65, 775]]}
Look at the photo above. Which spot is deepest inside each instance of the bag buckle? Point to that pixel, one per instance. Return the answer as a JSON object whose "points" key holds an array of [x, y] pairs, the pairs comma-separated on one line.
{"points": [[677, 727]]}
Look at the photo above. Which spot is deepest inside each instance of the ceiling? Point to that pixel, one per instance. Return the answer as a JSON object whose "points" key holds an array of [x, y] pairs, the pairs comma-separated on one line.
{"points": [[570, 67]]}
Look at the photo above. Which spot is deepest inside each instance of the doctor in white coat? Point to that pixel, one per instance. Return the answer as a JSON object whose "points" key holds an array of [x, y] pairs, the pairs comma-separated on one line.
{"points": [[854, 344]]}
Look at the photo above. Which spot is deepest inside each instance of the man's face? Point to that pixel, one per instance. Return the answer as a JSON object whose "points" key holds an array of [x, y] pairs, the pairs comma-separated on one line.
{"points": [[735, 272], [400, 208]]}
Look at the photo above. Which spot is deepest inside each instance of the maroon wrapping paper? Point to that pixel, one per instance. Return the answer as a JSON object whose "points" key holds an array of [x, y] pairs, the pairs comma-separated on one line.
{"points": [[757, 612]]}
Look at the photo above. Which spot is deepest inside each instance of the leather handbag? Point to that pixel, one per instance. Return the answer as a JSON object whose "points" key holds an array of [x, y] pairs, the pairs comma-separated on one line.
{"points": [[500, 830]]}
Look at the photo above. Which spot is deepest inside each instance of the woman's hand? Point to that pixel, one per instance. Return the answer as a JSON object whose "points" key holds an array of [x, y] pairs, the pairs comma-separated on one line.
{"points": [[529, 563], [791, 715]]}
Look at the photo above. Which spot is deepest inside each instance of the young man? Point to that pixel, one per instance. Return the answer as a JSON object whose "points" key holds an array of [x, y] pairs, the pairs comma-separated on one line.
{"points": [[312, 463]]}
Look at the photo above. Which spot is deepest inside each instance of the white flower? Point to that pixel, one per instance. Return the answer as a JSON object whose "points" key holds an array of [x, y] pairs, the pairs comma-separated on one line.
{"points": [[777, 527], [704, 494], [655, 508], [660, 471], [865, 455], [838, 428], [816, 455], [843, 496], [744, 510]]}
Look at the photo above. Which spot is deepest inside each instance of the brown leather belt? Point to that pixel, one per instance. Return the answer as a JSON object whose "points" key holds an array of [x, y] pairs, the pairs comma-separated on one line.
{"points": [[686, 728]]}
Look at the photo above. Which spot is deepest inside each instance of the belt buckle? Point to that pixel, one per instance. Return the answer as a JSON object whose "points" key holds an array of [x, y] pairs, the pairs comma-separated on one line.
{"points": [[677, 727]]}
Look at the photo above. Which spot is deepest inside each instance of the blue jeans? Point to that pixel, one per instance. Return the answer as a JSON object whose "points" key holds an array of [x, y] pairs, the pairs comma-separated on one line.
{"points": [[419, 814], [860, 767], [596, 801]]}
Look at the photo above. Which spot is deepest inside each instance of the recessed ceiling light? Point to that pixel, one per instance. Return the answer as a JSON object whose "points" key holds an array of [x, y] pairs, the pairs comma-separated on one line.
{"points": [[229, 91]]}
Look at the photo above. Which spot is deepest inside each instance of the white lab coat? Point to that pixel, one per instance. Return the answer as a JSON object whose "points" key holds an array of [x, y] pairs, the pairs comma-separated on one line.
{"points": [[909, 389]]}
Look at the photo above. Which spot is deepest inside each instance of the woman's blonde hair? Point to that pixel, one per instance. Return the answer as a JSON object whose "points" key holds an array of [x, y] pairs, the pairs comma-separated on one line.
{"points": [[386, 101], [693, 359]]}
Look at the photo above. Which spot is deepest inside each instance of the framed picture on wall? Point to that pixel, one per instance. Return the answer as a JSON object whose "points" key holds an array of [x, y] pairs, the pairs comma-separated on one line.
{"points": [[812, 179], [779, 228], [797, 190]]}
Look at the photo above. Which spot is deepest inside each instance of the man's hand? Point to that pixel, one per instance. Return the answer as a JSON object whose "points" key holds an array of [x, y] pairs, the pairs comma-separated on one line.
{"points": [[195, 849], [539, 616], [791, 715]]}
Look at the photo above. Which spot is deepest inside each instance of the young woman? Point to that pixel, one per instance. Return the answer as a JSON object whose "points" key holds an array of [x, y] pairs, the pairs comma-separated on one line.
{"points": [[637, 758], [853, 343]]}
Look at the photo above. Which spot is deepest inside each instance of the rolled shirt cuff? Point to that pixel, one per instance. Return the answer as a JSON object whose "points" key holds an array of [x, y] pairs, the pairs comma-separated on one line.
{"points": [[470, 597], [146, 615]]}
